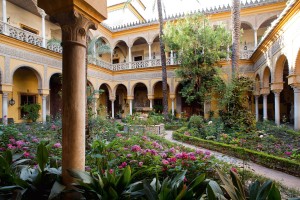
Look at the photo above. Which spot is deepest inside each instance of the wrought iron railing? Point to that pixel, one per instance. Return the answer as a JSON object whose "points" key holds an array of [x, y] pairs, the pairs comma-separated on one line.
{"points": [[34, 39]]}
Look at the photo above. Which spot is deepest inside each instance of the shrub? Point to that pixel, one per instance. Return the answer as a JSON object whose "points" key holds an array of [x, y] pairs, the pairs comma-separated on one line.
{"points": [[32, 111]]}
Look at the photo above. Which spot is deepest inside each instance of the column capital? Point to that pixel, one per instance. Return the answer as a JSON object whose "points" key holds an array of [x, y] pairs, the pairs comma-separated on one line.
{"points": [[130, 97], [172, 96], [74, 27], [96, 96], [44, 92], [277, 91], [256, 93], [265, 91], [150, 97], [42, 13], [277, 86], [6, 88], [150, 43]]}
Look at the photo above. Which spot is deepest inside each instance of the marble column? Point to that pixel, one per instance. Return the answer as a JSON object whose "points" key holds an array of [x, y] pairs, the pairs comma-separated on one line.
{"points": [[255, 38], [150, 54], [172, 58], [256, 108], [44, 108], [130, 106], [130, 57], [4, 17], [95, 104], [112, 108], [265, 105], [277, 106], [74, 28], [43, 29], [297, 108], [151, 103], [4, 107], [173, 106]]}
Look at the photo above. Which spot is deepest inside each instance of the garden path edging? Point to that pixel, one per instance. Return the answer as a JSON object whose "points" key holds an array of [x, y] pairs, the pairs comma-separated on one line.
{"points": [[281, 177]]}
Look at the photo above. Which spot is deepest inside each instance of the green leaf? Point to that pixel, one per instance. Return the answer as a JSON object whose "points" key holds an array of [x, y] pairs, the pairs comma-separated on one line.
{"points": [[81, 175], [112, 193], [253, 190], [56, 189], [213, 190], [182, 193], [197, 181], [274, 193], [42, 156], [150, 193], [126, 176], [238, 185], [264, 190]]}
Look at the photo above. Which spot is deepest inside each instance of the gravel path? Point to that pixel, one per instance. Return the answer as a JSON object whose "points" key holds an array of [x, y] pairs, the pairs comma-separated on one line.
{"points": [[285, 179]]}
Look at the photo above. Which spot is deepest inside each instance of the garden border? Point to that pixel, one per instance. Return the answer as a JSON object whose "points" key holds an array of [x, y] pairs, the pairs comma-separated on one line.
{"points": [[270, 161]]}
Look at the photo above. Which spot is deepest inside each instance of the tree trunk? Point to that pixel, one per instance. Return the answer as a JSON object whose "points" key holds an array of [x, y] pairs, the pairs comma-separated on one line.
{"points": [[163, 61], [236, 30]]}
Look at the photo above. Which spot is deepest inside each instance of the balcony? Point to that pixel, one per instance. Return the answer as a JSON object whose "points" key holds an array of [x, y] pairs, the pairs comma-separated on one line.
{"points": [[34, 39]]}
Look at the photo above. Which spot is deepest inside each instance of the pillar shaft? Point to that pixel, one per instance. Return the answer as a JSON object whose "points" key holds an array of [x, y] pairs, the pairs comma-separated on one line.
{"points": [[256, 108], [4, 16], [74, 28], [255, 38], [172, 57], [130, 57], [265, 102], [150, 54], [4, 107], [277, 107], [151, 103], [44, 29], [44, 108], [173, 110], [296, 108], [112, 109], [130, 106]]}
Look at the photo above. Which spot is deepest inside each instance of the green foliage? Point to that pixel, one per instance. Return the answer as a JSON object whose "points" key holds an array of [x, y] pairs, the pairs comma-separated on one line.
{"points": [[32, 111], [199, 47], [96, 46], [234, 106]]}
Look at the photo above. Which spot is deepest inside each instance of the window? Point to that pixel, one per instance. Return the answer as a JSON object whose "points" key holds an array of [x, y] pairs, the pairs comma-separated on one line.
{"points": [[138, 58], [27, 28], [27, 99], [115, 61]]}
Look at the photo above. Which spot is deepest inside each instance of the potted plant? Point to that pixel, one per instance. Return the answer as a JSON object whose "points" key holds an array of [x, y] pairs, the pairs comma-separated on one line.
{"points": [[32, 111]]}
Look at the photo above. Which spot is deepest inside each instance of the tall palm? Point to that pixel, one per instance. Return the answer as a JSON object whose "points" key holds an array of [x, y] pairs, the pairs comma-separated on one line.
{"points": [[236, 32]]}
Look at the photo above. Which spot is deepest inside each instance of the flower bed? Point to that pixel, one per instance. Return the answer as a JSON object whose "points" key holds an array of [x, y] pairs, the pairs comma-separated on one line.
{"points": [[262, 158]]}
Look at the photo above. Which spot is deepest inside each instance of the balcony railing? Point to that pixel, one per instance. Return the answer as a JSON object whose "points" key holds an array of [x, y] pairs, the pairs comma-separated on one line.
{"points": [[34, 39]]}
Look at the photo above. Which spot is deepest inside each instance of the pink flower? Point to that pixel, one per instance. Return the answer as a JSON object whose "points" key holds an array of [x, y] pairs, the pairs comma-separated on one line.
{"points": [[26, 154], [144, 137], [87, 168], [233, 169], [10, 146], [129, 155], [165, 162], [207, 153], [111, 171], [2, 149], [153, 152], [163, 155], [123, 165], [288, 153], [12, 140], [172, 150], [135, 148], [35, 140], [57, 145], [198, 151], [173, 160], [192, 157], [141, 164], [118, 135], [25, 148], [53, 127], [19, 143]]}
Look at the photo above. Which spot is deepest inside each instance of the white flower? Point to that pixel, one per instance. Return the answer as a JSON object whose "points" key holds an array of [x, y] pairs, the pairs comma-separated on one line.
{"points": [[210, 122], [261, 136]]}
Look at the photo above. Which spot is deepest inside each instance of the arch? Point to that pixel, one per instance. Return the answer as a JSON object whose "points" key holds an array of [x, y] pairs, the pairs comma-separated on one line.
{"points": [[257, 83], [105, 40], [297, 64], [266, 77], [108, 88], [279, 67], [134, 85], [151, 40], [36, 72], [115, 44], [55, 86], [90, 87], [116, 87], [155, 83], [138, 38], [248, 24], [267, 22]]}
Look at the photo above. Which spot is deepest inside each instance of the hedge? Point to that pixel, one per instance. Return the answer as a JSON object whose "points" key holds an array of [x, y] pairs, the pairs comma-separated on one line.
{"points": [[270, 161]]}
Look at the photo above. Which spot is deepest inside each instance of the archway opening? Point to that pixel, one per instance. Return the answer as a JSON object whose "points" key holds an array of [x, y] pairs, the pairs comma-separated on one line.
{"points": [[140, 50], [104, 108], [56, 95], [140, 97], [120, 53], [121, 103], [158, 97]]}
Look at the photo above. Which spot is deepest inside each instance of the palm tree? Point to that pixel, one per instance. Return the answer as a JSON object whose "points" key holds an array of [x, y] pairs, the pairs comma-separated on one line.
{"points": [[236, 31]]}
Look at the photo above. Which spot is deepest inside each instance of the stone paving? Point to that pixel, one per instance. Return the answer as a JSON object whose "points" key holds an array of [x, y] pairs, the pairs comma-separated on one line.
{"points": [[285, 179]]}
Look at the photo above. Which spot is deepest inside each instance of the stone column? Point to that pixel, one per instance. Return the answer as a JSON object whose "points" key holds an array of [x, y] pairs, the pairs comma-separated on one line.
{"points": [[296, 108], [277, 106], [150, 54], [4, 107], [112, 108], [95, 104], [111, 56], [173, 106], [44, 108], [130, 57], [255, 38], [151, 97], [172, 58], [43, 29], [256, 108], [4, 17], [265, 105], [74, 28]]}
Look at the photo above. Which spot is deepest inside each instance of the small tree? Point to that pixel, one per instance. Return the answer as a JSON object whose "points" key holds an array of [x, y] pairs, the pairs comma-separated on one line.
{"points": [[199, 46], [32, 111]]}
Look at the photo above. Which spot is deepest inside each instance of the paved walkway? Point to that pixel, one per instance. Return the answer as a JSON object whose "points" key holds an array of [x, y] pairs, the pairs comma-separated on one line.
{"points": [[285, 179]]}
